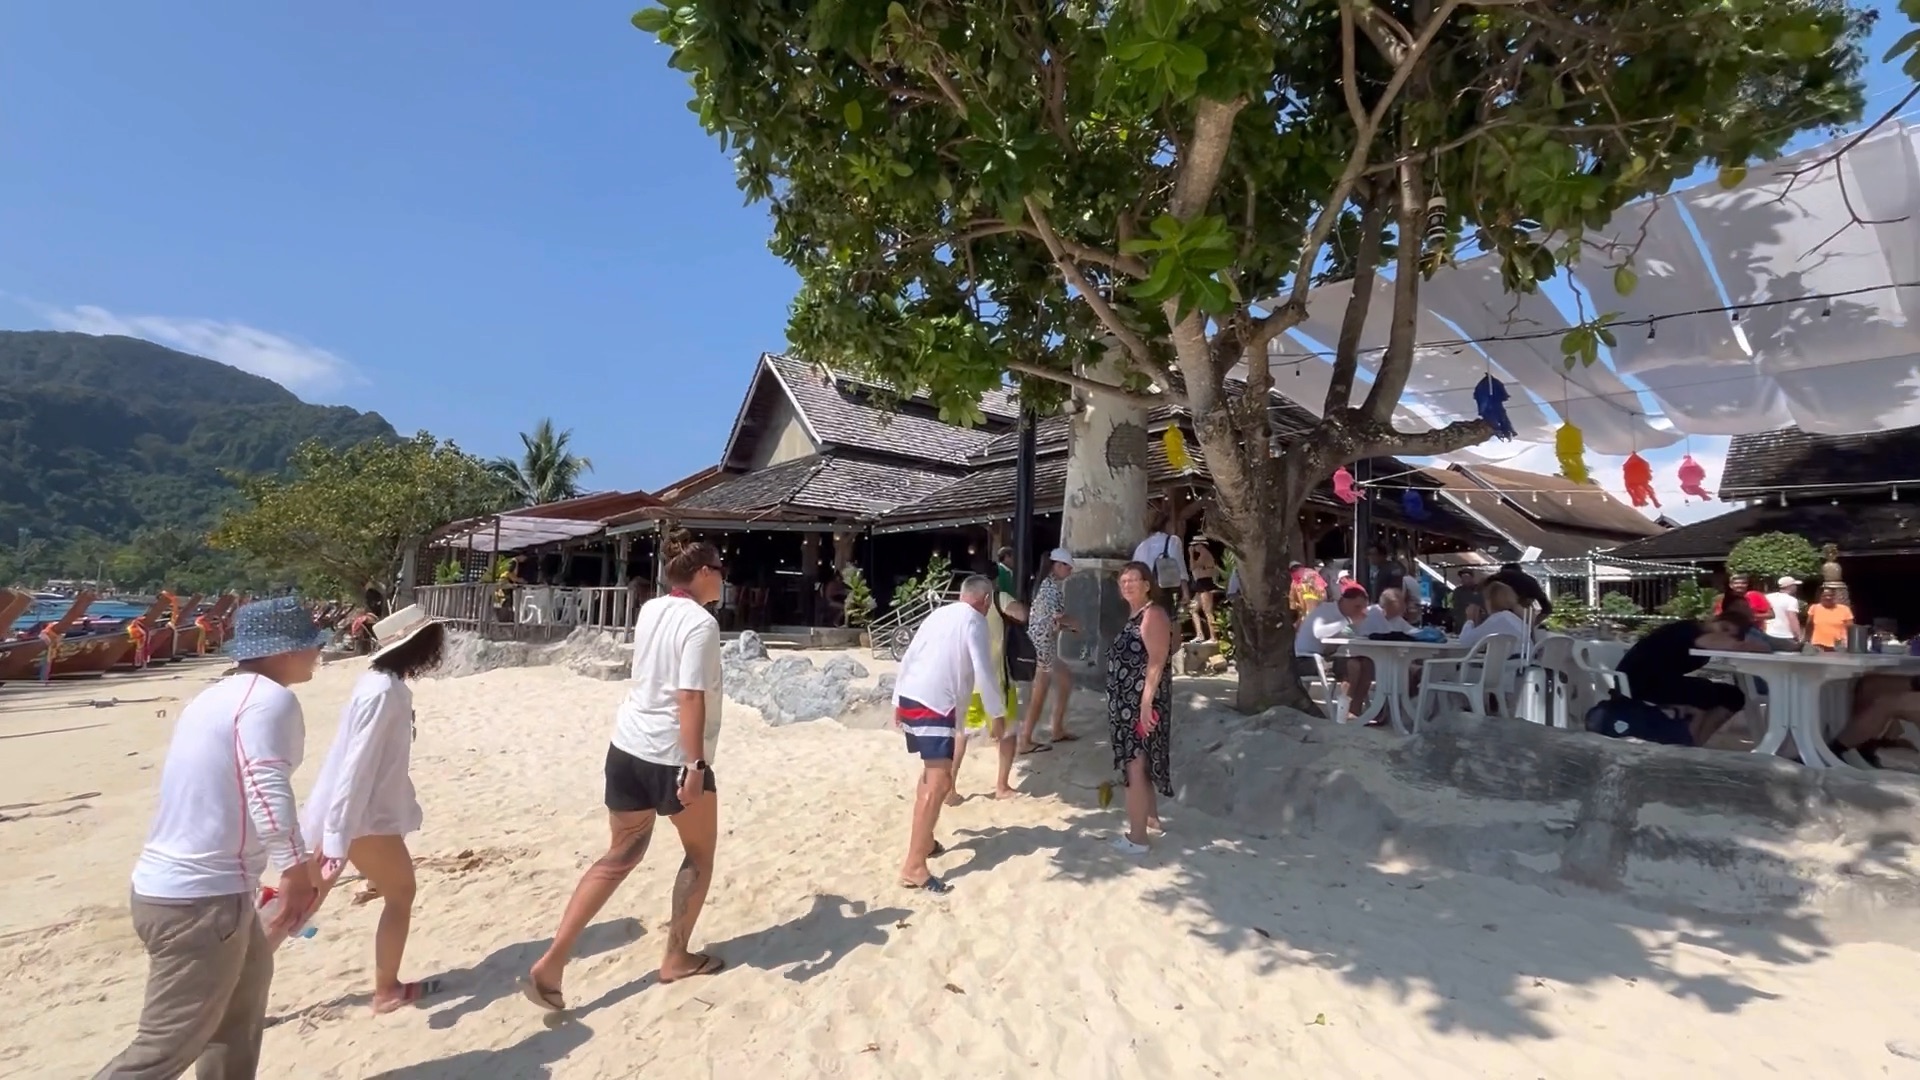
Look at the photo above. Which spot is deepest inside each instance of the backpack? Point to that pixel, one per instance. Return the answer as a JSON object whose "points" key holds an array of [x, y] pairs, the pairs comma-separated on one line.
{"points": [[1168, 572], [1625, 718]]}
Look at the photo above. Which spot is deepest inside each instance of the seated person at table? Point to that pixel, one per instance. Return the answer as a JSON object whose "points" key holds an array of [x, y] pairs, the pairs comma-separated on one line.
{"points": [[1660, 669], [1503, 616], [1329, 620], [1389, 616], [1524, 587], [1880, 703]]}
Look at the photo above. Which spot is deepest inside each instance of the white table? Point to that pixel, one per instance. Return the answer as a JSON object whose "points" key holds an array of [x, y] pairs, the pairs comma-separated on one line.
{"points": [[1393, 675], [1796, 686]]}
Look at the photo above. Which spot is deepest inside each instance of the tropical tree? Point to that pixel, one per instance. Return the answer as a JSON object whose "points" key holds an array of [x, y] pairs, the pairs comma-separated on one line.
{"points": [[972, 189], [547, 471], [337, 520]]}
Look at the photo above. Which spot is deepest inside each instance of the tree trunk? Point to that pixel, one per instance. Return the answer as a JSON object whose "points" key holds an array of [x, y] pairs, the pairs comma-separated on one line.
{"points": [[1263, 622], [1104, 515]]}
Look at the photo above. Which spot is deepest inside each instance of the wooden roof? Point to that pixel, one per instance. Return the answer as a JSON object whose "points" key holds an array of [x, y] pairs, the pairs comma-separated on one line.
{"points": [[1561, 518], [1790, 459], [1858, 526]]}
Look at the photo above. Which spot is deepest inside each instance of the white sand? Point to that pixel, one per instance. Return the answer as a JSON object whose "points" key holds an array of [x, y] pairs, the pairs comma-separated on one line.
{"points": [[1218, 955]]}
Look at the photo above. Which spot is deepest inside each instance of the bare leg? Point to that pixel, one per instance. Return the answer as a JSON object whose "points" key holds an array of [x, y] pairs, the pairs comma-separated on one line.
{"points": [[1139, 799], [386, 864], [1875, 714], [959, 755], [699, 829], [936, 779], [1036, 701], [1063, 689], [1706, 723], [1205, 605], [632, 832], [1359, 683], [1004, 739]]}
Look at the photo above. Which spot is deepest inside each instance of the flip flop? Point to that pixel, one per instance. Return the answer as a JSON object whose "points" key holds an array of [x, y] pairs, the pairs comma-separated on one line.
{"points": [[1068, 737], [548, 998], [709, 965], [1038, 748], [939, 849], [410, 994], [933, 885]]}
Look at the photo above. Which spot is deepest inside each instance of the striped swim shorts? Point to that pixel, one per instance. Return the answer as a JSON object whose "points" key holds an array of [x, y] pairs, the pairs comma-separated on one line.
{"points": [[929, 733]]}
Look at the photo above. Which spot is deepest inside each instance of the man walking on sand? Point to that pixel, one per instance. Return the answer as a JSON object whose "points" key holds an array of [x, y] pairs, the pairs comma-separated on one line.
{"points": [[948, 661], [226, 813], [665, 733]]}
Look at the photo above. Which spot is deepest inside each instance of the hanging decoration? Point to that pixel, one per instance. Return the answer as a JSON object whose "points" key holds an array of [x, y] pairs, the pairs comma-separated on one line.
{"points": [[1343, 486], [1639, 479], [1413, 505], [1570, 446], [1490, 400], [1693, 479], [1175, 444]]}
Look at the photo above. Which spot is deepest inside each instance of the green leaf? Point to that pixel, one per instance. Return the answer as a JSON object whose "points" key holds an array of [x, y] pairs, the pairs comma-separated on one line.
{"points": [[854, 115], [1906, 43], [1606, 337], [1624, 280], [652, 20], [1731, 176]]}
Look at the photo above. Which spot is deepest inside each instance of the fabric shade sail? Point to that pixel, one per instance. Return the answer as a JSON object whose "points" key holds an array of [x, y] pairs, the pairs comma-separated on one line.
{"points": [[1792, 298]]}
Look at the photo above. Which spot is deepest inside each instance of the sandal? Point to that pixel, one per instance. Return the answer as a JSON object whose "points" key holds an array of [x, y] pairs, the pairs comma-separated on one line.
{"points": [[709, 965], [1038, 748], [1067, 736], [933, 885], [410, 994], [548, 998]]}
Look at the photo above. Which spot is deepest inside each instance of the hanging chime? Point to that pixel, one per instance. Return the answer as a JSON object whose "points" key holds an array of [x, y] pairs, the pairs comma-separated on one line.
{"points": [[1343, 488], [1490, 400], [1693, 479], [1639, 479], [1413, 505], [1570, 446], [1175, 444]]}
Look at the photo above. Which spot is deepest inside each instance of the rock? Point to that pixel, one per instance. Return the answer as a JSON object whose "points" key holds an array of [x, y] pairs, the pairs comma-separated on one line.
{"points": [[845, 667], [747, 646]]}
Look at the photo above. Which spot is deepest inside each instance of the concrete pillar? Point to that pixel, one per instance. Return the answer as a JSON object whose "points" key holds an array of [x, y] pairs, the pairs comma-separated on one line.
{"points": [[1104, 514]]}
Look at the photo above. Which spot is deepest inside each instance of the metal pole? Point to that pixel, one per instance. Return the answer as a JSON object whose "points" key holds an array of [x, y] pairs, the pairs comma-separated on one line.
{"points": [[1023, 508]]}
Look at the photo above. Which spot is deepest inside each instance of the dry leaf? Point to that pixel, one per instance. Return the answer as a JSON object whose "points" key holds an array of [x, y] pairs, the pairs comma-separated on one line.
{"points": [[1263, 933], [871, 1048], [952, 989], [1106, 794], [1320, 1019]]}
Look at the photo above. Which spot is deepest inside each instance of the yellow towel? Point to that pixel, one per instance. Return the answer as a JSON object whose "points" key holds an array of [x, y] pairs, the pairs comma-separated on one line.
{"points": [[977, 712]]}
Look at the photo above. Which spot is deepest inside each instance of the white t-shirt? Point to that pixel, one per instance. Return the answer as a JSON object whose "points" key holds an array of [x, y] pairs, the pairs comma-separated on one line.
{"points": [[1500, 622], [1786, 621], [676, 646], [1376, 622], [1158, 546], [226, 794], [1322, 624], [948, 659]]}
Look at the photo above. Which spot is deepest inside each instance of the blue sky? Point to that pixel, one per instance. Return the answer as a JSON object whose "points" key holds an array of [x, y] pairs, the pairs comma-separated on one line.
{"points": [[466, 217]]}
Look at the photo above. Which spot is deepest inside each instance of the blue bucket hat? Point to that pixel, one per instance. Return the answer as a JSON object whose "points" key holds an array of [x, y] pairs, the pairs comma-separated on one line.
{"points": [[273, 628]]}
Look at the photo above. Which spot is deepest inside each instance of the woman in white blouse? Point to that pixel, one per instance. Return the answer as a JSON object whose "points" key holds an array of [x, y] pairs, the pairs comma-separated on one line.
{"points": [[1503, 617], [362, 805]]}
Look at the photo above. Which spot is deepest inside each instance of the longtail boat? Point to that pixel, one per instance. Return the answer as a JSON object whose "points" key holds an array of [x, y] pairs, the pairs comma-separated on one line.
{"points": [[157, 646], [96, 653], [201, 629], [22, 659], [13, 604]]}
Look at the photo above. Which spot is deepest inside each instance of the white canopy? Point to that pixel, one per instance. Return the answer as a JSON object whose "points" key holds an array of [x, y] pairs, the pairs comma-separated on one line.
{"points": [[508, 533], [1822, 338]]}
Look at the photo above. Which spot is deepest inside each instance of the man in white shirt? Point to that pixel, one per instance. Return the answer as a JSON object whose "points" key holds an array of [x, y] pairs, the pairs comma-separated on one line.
{"points": [[1785, 602], [949, 660], [1329, 620], [1163, 553], [226, 813], [665, 733]]}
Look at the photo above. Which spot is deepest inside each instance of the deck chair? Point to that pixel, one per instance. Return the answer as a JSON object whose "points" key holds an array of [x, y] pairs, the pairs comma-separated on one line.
{"points": [[1485, 671]]}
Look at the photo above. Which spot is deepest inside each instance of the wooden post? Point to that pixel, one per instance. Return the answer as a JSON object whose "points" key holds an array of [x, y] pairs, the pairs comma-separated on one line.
{"points": [[622, 551], [843, 549]]}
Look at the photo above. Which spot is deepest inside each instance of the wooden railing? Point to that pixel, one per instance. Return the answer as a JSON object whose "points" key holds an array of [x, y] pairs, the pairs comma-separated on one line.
{"points": [[528, 611]]}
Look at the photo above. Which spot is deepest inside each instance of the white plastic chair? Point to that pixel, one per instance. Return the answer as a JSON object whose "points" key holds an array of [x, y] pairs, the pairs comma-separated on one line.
{"points": [[1332, 700], [1554, 657], [1484, 671]]}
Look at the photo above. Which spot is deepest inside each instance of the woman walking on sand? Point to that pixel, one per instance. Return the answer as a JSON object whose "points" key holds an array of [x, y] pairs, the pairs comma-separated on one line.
{"points": [[362, 806], [1046, 618], [1140, 706]]}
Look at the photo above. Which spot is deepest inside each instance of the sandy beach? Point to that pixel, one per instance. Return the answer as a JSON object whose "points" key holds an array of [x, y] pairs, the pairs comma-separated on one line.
{"points": [[1220, 954]]}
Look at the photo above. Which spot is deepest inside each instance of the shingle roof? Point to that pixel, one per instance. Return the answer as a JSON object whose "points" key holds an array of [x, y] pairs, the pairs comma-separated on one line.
{"points": [[1791, 458], [1510, 523], [1855, 526], [838, 412], [1556, 502], [852, 487]]}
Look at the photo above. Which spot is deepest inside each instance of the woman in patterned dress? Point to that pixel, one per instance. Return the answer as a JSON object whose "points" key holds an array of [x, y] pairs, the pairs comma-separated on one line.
{"points": [[1045, 619], [1140, 706]]}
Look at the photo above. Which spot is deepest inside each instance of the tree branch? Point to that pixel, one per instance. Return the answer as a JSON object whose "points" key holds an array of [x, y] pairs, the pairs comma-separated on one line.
{"points": [[1204, 156], [1167, 395], [1346, 356], [1136, 348], [1381, 440], [1396, 364]]}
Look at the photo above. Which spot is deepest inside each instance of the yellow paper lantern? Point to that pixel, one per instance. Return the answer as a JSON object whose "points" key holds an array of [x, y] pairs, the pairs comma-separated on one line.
{"points": [[1175, 445], [1570, 446]]}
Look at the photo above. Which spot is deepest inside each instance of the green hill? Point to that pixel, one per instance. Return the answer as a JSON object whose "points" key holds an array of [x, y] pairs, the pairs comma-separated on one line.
{"points": [[112, 441]]}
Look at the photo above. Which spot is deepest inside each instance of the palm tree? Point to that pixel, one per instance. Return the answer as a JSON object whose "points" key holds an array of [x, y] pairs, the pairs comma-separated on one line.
{"points": [[547, 471]]}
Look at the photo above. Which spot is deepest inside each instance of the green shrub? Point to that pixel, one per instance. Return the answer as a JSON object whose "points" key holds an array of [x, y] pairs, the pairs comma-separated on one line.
{"points": [[859, 597], [937, 578], [1774, 555]]}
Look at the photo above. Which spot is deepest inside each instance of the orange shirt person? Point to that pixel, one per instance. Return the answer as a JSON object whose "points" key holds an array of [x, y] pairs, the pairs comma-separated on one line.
{"points": [[1828, 620]]}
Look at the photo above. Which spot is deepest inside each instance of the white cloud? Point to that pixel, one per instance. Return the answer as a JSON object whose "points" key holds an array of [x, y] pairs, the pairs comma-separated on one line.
{"points": [[296, 365], [1711, 453]]}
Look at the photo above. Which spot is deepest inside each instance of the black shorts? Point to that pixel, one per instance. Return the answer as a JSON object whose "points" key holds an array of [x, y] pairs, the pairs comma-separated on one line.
{"points": [[634, 785], [1304, 667], [1691, 692]]}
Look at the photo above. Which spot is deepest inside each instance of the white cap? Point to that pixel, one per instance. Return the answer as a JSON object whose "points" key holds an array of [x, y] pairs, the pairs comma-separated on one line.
{"points": [[1061, 555], [1789, 582]]}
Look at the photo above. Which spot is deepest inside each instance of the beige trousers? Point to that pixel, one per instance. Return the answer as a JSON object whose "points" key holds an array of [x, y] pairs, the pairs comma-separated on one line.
{"points": [[208, 971]]}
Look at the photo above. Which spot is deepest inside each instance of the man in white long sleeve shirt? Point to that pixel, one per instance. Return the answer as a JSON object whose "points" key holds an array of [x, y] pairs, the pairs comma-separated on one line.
{"points": [[1327, 621], [949, 659], [226, 814]]}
